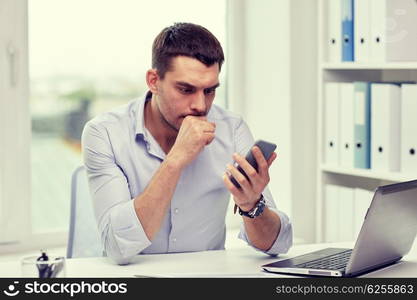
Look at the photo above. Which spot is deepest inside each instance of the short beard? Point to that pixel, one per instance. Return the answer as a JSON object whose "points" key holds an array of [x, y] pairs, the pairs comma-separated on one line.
{"points": [[170, 125], [166, 122]]}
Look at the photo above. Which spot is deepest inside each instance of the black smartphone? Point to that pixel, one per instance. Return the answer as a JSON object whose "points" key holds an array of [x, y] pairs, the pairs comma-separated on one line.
{"points": [[267, 149]]}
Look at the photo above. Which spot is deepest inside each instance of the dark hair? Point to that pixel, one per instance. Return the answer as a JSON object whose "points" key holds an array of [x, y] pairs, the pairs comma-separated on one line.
{"points": [[185, 39]]}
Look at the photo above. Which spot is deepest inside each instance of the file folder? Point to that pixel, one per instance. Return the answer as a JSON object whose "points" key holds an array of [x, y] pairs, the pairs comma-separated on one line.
{"points": [[409, 128], [334, 33], [346, 125], [378, 30], [362, 30], [347, 30], [385, 124], [393, 30], [401, 32], [362, 130], [346, 216], [331, 123], [331, 224]]}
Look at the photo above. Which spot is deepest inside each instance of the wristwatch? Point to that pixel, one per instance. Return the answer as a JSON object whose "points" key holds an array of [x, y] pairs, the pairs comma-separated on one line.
{"points": [[256, 211]]}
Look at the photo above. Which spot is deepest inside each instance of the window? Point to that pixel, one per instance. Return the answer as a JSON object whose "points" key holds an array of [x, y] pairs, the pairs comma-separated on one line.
{"points": [[86, 57]]}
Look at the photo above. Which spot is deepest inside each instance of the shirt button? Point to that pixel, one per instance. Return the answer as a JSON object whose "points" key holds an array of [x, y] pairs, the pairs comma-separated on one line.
{"points": [[176, 210]]}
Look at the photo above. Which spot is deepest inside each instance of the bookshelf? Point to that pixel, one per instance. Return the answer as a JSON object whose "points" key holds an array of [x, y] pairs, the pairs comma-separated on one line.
{"points": [[368, 174], [349, 72], [369, 66]]}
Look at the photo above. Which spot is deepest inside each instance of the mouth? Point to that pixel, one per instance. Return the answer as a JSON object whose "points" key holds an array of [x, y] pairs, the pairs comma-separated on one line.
{"points": [[194, 115]]}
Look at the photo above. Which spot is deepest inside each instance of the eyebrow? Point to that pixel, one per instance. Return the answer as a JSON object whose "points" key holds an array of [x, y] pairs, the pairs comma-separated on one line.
{"points": [[190, 86]]}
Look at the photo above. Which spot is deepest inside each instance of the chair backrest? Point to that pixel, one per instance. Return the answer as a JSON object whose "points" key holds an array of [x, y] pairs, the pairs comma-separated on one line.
{"points": [[84, 238]]}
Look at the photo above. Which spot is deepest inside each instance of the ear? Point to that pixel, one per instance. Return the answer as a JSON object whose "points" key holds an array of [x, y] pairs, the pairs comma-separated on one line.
{"points": [[152, 80]]}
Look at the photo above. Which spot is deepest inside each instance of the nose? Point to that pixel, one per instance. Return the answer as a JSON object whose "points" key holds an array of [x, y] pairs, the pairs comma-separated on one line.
{"points": [[198, 104]]}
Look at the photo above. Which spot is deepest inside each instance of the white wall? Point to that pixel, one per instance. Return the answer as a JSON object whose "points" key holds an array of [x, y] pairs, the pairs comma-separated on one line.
{"points": [[267, 106], [304, 116], [273, 71]]}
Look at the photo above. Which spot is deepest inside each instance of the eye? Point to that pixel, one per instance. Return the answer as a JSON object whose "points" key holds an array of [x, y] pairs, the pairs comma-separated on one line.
{"points": [[209, 91], [185, 90]]}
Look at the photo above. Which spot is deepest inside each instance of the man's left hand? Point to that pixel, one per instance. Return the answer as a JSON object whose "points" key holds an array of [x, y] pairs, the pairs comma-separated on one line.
{"points": [[252, 187]]}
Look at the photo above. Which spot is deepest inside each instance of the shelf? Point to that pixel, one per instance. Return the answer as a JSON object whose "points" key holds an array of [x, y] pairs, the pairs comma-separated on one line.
{"points": [[370, 66], [389, 176]]}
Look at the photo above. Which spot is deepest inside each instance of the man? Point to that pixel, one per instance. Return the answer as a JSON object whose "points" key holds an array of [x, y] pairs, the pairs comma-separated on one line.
{"points": [[159, 166]]}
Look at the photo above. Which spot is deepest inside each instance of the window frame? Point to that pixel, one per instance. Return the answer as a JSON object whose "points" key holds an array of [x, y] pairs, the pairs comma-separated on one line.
{"points": [[15, 226]]}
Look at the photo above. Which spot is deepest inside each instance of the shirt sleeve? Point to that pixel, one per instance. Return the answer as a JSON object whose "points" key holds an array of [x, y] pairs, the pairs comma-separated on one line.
{"points": [[243, 142], [122, 234]]}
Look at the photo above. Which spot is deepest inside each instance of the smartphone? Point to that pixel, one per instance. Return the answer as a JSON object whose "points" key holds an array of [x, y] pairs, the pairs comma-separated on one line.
{"points": [[267, 149]]}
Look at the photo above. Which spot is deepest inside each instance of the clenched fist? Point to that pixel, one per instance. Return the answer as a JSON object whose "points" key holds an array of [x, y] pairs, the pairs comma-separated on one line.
{"points": [[195, 133]]}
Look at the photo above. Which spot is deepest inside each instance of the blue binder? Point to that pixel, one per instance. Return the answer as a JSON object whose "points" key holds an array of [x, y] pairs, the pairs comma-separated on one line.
{"points": [[347, 30], [362, 123]]}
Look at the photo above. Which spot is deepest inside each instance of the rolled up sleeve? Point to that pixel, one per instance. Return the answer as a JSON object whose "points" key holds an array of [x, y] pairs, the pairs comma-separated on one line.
{"points": [[122, 234], [282, 243], [243, 142]]}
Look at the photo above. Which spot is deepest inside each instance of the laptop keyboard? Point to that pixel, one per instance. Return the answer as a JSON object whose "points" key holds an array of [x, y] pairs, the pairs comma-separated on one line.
{"points": [[333, 262]]}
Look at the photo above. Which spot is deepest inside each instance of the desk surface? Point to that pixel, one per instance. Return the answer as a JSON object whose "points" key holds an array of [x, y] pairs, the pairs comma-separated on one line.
{"points": [[237, 262]]}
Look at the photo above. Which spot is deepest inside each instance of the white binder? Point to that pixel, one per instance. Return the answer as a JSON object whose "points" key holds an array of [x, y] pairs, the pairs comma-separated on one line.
{"points": [[385, 126], [331, 123], [409, 128], [362, 29], [378, 30], [393, 30], [401, 30], [346, 215], [362, 201], [346, 125], [331, 221], [334, 32]]}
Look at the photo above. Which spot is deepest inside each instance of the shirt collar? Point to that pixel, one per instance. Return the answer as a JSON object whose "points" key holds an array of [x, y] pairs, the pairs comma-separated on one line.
{"points": [[140, 114]]}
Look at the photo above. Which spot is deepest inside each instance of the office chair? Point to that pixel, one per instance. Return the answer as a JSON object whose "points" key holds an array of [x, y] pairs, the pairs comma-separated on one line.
{"points": [[84, 238]]}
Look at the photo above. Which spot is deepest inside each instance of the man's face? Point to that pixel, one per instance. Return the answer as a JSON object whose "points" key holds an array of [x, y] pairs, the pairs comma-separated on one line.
{"points": [[188, 88]]}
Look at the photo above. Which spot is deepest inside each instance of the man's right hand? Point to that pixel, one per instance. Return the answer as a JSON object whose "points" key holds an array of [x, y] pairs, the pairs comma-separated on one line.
{"points": [[195, 133]]}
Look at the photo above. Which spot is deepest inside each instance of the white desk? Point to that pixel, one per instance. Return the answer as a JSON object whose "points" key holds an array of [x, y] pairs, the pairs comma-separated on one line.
{"points": [[238, 262]]}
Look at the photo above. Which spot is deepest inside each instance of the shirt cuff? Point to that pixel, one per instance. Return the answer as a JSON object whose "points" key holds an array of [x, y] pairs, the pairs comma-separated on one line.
{"points": [[128, 233], [282, 243]]}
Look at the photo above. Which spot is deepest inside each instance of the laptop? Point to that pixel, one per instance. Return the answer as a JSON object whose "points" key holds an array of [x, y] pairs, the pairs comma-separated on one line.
{"points": [[386, 235]]}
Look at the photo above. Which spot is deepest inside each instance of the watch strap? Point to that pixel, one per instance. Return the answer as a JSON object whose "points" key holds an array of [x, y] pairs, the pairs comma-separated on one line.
{"points": [[256, 211]]}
